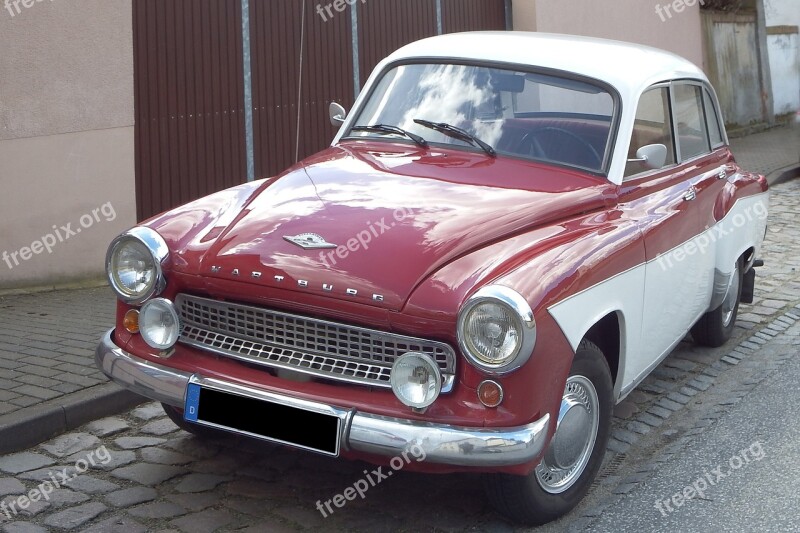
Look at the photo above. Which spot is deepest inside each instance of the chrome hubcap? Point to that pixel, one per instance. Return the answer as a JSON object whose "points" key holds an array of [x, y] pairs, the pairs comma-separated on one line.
{"points": [[729, 303], [572, 444]]}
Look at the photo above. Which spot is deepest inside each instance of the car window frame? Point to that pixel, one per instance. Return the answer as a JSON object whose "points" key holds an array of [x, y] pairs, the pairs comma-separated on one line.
{"points": [[708, 92], [678, 154], [613, 133], [650, 172], [705, 88]]}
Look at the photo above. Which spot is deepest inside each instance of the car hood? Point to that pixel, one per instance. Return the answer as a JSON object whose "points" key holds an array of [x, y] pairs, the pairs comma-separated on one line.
{"points": [[392, 215]]}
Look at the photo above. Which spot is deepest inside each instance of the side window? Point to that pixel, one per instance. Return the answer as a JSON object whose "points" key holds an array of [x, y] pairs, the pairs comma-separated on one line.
{"points": [[690, 121], [712, 121], [652, 126]]}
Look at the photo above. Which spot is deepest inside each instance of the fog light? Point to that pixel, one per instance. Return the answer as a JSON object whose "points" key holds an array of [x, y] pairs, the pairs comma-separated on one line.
{"points": [[131, 321], [490, 393], [416, 380], [159, 324]]}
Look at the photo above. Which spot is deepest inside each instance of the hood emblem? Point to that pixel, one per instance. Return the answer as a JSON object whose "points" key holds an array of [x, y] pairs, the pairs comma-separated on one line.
{"points": [[310, 241]]}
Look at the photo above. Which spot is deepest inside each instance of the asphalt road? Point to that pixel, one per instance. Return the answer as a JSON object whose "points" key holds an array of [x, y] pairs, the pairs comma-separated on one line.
{"points": [[739, 475]]}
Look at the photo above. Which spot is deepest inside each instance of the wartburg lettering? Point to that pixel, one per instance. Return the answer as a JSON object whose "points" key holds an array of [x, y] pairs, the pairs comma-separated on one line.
{"points": [[557, 214]]}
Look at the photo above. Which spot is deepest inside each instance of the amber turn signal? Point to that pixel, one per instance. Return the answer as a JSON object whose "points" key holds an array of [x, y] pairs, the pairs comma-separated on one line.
{"points": [[490, 393], [131, 321]]}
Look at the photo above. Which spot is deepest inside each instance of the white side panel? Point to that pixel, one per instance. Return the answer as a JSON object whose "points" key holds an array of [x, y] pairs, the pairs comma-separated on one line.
{"points": [[742, 227], [644, 287], [623, 294]]}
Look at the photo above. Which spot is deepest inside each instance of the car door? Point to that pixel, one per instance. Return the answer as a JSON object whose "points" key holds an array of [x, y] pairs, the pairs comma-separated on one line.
{"points": [[711, 177], [662, 202], [698, 141]]}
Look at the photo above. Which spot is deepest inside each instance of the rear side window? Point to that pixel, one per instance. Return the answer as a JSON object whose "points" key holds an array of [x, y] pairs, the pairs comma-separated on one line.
{"points": [[712, 121], [690, 121]]}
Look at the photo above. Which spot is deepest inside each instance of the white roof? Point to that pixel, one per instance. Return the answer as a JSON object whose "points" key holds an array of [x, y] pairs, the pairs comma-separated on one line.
{"points": [[628, 67]]}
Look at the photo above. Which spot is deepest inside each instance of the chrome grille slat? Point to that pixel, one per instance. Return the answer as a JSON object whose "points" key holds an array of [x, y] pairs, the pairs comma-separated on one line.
{"points": [[311, 346]]}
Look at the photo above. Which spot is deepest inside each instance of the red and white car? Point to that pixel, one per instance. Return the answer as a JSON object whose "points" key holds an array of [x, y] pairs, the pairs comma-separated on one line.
{"points": [[507, 234]]}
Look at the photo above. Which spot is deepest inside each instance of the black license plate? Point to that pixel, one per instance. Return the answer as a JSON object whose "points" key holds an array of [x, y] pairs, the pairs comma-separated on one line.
{"points": [[263, 419]]}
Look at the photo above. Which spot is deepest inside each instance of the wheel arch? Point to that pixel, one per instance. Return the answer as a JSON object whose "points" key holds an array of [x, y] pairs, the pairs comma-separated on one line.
{"points": [[607, 334]]}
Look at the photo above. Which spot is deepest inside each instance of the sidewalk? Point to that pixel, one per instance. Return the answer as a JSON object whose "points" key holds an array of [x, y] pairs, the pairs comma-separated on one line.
{"points": [[770, 152], [49, 383]]}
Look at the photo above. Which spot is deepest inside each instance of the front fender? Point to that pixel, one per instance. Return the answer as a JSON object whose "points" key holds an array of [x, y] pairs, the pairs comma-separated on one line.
{"points": [[572, 274]]}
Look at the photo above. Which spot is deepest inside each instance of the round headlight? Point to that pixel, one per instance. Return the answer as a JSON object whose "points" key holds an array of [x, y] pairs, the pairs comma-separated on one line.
{"points": [[416, 380], [159, 324], [133, 265], [496, 329]]}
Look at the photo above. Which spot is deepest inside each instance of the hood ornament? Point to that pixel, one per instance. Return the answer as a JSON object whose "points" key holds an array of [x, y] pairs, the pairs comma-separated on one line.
{"points": [[309, 241]]}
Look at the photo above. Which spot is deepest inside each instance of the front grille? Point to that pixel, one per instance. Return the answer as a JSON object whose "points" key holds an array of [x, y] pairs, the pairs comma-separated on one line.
{"points": [[311, 346]]}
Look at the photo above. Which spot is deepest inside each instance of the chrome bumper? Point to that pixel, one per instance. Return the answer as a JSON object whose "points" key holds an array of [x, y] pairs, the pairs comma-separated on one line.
{"points": [[364, 432]]}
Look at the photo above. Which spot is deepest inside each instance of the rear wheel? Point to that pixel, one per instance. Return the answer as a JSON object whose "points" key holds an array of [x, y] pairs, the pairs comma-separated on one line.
{"points": [[176, 415], [575, 452], [716, 327]]}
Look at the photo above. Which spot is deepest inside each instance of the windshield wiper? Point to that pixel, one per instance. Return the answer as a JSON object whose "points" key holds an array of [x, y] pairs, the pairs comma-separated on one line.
{"points": [[457, 133], [386, 129]]}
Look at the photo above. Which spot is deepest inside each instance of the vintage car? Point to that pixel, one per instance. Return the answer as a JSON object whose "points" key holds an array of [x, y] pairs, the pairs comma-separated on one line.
{"points": [[507, 234]]}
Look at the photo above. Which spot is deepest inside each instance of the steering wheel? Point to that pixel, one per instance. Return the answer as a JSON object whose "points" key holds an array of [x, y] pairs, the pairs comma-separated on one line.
{"points": [[530, 145]]}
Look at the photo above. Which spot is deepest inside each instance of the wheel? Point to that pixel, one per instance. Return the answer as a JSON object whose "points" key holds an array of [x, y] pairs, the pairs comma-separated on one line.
{"points": [[716, 327], [176, 415], [564, 152], [575, 452]]}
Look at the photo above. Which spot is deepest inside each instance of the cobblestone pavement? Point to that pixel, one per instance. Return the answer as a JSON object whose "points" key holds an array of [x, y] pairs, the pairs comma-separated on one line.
{"points": [[148, 475], [47, 341]]}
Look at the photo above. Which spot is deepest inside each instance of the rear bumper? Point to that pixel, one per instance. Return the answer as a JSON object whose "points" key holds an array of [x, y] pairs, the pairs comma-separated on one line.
{"points": [[363, 432]]}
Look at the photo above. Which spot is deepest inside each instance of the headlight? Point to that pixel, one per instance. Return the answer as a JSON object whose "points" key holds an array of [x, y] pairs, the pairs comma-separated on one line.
{"points": [[496, 330], [416, 380], [159, 324], [133, 265]]}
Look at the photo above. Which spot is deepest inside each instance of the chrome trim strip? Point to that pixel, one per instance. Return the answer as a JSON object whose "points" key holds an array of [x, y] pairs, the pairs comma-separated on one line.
{"points": [[364, 432], [451, 445], [150, 380]]}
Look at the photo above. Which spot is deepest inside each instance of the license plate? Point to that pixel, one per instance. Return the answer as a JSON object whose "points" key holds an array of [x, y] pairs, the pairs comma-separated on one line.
{"points": [[263, 419]]}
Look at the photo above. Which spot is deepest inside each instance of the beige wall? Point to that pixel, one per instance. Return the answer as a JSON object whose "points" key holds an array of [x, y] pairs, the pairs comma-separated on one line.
{"points": [[66, 137], [625, 20]]}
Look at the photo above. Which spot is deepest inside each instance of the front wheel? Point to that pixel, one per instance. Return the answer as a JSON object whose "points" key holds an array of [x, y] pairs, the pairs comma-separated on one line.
{"points": [[575, 452], [716, 327]]}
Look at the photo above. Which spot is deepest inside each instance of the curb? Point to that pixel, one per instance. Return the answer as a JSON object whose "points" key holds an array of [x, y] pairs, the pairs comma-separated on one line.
{"points": [[32, 425], [783, 175]]}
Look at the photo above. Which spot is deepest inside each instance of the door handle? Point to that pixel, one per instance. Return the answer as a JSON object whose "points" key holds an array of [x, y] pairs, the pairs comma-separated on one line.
{"points": [[690, 195]]}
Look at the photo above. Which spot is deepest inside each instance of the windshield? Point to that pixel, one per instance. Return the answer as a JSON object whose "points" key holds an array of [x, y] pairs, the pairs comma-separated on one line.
{"points": [[531, 115]]}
